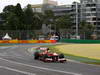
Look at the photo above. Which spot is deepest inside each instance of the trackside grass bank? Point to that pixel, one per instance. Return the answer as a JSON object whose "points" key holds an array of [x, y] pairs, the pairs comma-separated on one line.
{"points": [[87, 53], [2, 44]]}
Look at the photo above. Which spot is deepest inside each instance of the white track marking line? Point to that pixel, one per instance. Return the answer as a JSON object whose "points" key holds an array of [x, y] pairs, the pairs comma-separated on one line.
{"points": [[8, 47], [4, 47], [15, 70], [84, 63], [48, 69]]}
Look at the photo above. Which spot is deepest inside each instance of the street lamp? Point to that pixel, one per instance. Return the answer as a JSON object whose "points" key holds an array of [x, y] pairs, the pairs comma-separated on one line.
{"points": [[76, 4]]}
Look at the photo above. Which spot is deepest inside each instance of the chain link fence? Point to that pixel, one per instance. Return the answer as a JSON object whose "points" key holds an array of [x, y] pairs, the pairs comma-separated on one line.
{"points": [[33, 34], [21, 34]]}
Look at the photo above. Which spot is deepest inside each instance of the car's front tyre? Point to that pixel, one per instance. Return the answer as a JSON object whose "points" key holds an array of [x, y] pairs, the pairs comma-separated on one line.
{"points": [[36, 55]]}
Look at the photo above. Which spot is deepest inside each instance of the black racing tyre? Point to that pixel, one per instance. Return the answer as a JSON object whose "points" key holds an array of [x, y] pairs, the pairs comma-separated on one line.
{"points": [[45, 56], [61, 55], [36, 55]]}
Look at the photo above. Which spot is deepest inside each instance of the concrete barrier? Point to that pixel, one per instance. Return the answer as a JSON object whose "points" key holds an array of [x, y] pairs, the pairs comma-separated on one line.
{"points": [[80, 41]]}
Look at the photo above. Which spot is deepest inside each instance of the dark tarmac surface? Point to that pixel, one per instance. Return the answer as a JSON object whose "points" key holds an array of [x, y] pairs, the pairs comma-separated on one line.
{"points": [[17, 60]]}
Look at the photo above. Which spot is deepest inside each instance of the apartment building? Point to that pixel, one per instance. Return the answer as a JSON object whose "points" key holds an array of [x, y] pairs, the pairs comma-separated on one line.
{"points": [[86, 10], [90, 12], [75, 15], [52, 5]]}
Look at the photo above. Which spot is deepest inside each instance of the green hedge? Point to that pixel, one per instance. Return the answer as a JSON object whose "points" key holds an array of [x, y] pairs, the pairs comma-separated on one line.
{"points": [[80, 41]]}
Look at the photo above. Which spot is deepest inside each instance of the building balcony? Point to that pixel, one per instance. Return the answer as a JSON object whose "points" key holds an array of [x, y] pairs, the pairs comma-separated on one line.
{"points": [[89, 12], [90, 16]]}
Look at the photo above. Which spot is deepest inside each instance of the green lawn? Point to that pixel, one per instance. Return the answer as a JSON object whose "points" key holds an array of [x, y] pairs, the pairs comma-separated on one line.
{"points": [[87, 53]]}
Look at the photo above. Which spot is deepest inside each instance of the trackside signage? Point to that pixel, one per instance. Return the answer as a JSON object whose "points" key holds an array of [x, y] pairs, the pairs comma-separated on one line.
{"points": [[27, 41]]}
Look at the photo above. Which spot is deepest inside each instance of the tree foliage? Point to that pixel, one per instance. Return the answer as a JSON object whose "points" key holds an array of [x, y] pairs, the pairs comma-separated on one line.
{"points": [[48, 17], [17, 18], [86, 29], [28, 17], [64, 22]]}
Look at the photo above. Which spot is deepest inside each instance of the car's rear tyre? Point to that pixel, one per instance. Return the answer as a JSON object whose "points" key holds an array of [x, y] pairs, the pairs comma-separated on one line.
{"points": [[44, 57], [62, 61], [61, 55]]}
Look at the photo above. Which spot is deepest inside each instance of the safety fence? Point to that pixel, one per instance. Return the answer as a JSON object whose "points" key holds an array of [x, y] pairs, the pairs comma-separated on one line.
{"points": [[80, 41], [27, 41]]}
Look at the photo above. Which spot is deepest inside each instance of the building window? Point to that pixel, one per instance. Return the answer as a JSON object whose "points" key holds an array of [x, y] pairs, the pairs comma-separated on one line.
{"points": [[93, 9], [90, 5], [38, 10], [94, 23], [98, 18], [94, 19]]}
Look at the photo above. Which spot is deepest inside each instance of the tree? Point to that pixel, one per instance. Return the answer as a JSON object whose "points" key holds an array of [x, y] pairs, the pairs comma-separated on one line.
{"points": [[29, 17], [64, 22], [12, 22], [86, 28], [20, 15], [23, 19], [48, 17], [14, 17], [6, 15], [2, 21], [32, 19], [38, 20], [9, 8]]}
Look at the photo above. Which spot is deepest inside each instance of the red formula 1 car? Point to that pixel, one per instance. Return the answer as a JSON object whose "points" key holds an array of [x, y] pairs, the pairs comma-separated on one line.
{"points": [[43, 54]]}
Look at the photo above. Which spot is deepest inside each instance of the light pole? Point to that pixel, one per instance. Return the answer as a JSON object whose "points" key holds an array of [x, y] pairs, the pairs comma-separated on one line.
{"points": [[76, 19], [50, 28], [51, 20]]}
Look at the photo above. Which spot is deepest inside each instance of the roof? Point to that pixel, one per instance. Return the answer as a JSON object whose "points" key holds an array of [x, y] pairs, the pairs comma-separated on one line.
{"points": [[6, 37], [37, 6]]}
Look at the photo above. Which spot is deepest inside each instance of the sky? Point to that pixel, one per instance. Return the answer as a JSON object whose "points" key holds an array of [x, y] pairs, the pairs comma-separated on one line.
{"points": [[23, 3]]}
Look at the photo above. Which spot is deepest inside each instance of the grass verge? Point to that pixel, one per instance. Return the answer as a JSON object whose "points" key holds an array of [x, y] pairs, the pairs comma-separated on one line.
{"points": [[76, 58], [6, 44]]}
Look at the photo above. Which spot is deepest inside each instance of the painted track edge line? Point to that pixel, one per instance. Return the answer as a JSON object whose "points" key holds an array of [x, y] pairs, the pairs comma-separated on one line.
{"points": [[15, 70], [48, 69]]}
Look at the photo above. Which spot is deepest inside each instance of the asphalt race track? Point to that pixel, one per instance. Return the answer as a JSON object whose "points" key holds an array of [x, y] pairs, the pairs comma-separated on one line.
{"points": [[17, 60]]}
